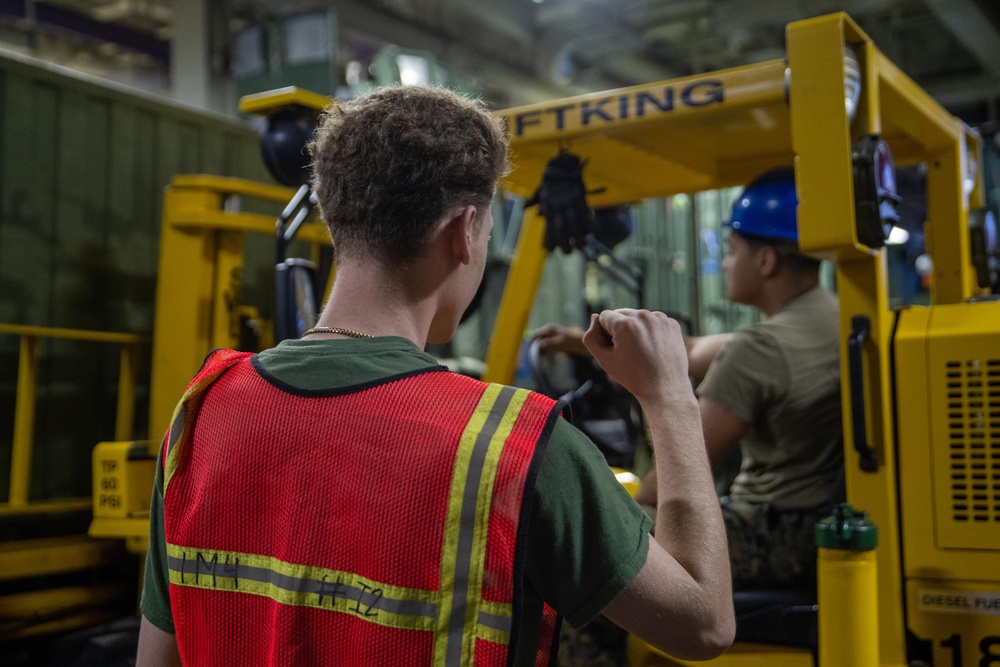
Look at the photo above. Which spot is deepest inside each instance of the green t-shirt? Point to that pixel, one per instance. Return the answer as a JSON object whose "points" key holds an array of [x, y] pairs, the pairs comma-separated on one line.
{"points": [[586, 537], [783, 376]]}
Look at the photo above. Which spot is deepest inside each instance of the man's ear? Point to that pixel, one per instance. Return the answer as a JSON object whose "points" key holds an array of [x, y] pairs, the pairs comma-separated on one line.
{"points": [[462, 232], [767, 260]]}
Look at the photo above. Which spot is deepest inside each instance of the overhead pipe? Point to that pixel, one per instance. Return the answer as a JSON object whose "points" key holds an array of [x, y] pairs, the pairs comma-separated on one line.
{"points": [[81, 24], [519, 82], [972, 28], [526, 70]]}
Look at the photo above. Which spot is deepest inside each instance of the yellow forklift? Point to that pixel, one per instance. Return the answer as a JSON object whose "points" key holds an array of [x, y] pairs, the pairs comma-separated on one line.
{"points": [[921, 385], [204, 230]]}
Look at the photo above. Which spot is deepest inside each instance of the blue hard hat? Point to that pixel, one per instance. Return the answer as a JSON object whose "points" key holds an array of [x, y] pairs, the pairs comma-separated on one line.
{"points": [[766, 207]]}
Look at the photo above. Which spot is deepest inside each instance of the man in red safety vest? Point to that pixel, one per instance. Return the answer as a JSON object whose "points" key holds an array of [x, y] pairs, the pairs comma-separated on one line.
{"points": [[342, 499]]}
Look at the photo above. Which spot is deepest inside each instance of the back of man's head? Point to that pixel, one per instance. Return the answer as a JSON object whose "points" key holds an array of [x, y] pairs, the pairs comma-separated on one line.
{"points": [[387, 165], [765, 213]]}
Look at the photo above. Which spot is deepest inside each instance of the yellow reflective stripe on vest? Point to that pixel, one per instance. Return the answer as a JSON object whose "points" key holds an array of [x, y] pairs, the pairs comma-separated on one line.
{"points": [[173, 453], [304, 586], [463, 555], [178, 424], [494, 623]]}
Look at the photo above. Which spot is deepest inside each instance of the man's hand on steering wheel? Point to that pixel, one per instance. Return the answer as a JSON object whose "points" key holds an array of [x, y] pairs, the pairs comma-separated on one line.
{"points": [[559, 338]]}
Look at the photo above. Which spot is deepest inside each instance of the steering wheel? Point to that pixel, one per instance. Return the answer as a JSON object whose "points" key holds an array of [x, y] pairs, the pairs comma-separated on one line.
{"points": [[597, 406]]}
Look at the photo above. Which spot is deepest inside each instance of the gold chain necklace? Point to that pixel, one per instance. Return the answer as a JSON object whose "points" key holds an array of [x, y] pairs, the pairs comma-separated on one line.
{"points": [[350, 333]]}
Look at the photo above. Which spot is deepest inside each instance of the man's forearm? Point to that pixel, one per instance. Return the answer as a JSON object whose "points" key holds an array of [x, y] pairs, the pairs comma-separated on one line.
{"points": [[684, 584], [702, 351], [688, 519]]}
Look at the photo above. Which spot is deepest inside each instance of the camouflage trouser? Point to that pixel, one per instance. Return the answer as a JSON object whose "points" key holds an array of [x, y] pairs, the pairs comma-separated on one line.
{"points": [[599, 643], [768, 548]]}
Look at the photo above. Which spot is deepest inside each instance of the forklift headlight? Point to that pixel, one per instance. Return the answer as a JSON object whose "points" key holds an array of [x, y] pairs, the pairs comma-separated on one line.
{"points": [[283, 144], [852, 82], [970, 171], [289, 117]]}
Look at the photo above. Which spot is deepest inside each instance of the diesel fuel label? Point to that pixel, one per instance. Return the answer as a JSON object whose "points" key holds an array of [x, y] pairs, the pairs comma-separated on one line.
{"points": [[959, 602]]}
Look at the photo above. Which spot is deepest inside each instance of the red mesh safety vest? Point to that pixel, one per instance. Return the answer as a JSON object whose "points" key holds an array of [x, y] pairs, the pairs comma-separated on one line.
{"points": [[380, 525]]}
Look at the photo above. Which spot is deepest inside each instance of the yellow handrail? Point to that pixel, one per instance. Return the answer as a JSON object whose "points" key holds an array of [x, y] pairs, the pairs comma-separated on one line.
{"points": [[24, 408]]}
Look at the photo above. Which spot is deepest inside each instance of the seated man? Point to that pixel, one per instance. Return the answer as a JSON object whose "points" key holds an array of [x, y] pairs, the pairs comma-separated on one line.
{"points": [[773, 390]]}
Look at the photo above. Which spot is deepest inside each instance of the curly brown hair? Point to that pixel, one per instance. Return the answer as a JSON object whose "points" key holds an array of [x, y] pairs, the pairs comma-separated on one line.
{"points": [[387, 165]]}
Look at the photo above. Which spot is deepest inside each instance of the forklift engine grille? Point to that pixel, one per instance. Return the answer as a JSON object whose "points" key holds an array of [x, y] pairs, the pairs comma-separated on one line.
{"points": [[973, 389]]}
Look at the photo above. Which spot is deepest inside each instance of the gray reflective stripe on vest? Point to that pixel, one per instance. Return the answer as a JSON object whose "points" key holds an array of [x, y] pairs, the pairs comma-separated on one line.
{"points": [[466, 531], [494, 621], [176, 427], [323, 588]]}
